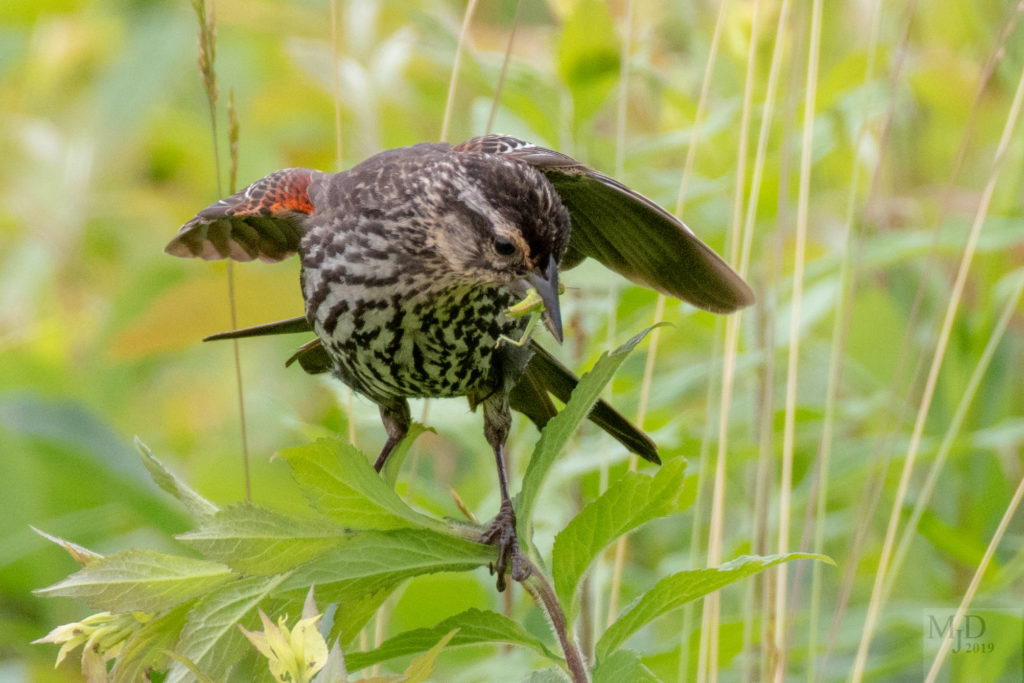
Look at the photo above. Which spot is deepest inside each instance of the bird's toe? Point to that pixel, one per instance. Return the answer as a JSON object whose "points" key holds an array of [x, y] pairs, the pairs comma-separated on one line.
{"points": [[502, 534]]}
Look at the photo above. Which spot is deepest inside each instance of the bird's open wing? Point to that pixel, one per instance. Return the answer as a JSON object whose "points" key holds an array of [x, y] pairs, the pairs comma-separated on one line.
{"points": [[628, 232], [261, 221]]}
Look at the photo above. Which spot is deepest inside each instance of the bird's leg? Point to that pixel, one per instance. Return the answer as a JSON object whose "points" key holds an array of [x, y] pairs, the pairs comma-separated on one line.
{"points": [[396, 419], [502, 532]]}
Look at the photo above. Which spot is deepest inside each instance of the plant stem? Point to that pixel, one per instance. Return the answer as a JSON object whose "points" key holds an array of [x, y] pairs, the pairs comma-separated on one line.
{"points": [[543, 593], [456, 61]]}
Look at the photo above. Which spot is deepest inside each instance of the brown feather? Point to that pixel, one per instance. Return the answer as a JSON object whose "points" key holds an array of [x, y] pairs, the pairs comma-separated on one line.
{"points": [[628, 232], [261, 221]]}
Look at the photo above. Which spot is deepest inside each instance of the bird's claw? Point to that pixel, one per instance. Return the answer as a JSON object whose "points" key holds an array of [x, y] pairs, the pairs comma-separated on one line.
{"points": [[502, 533]]}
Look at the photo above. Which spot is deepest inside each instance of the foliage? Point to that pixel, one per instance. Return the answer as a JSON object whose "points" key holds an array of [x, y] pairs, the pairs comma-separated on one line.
{"points": [[356, 543], [105, 144]]}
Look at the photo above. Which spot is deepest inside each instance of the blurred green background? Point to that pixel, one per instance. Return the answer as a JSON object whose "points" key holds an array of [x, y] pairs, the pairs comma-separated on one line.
{"points": [[106, 149]]}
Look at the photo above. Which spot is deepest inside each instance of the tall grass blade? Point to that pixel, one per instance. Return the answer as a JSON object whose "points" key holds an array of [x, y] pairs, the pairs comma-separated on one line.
{"points": [[875, 604], [972, 589], [467, 19], [792, 374], [817, 502]]}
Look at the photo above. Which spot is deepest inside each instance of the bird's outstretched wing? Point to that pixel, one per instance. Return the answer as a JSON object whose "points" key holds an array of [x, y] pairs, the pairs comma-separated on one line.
{"points": [[626, 231], [261, 221]]}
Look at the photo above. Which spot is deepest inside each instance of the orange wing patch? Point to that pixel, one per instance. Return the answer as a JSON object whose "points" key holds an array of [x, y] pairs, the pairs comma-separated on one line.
{"points": [[262, 221], [281, 191]]}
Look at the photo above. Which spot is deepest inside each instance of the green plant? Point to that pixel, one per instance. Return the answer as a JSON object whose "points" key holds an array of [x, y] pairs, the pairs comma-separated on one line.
{"points": [[105, 138], [353, 546]]}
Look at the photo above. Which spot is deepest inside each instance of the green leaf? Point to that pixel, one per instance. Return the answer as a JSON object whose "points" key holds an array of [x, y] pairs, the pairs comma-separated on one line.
{"points": [[211, 639], [474, 627], [628, 503], [78, 553], [562, 426], [357, 601], [342, 485], [549, 675], [588, 57], [675, 590], [394, 462], [373, 563], [198, 507], [147, 648], [421, 667], [389, 556], [623, 665], [140, 580], [255, 540]]}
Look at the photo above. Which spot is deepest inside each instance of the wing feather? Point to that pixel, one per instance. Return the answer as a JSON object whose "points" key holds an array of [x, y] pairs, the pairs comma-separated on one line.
{"points": [[628, 232], [263, 221]]}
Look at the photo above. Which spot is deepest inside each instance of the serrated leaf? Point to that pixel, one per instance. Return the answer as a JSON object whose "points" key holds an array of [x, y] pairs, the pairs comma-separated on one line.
{"points": [[198, 507], [549, 675], [140, 580], [342, 485], [254, 540], [629, 502], [361, 576], [210, 639], [389, 556], [675, 590], [561, 427], [474, 627], [421, 667], [373, 563], [623, 665], [357, 601], [147, 648], [78, 553]]}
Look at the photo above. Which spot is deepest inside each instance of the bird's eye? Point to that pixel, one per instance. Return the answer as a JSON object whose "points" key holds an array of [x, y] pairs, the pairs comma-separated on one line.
{"points": [[504, 247]]}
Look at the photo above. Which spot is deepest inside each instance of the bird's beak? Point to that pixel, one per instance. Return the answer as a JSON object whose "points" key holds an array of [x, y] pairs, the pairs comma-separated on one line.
{"points": [[546, 284]]}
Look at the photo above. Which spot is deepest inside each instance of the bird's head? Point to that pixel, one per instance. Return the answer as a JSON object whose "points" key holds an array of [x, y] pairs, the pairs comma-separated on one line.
{"points": [[505, 225]]}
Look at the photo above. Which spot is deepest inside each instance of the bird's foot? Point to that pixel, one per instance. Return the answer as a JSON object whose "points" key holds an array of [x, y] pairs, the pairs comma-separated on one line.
{"points": [[502, 533]]}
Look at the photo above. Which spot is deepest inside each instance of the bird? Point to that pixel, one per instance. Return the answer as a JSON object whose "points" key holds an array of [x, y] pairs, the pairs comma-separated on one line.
{"points": [[412, 259]]}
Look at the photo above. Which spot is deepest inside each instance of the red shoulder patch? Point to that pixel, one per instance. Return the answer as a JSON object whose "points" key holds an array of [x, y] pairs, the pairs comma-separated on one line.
{"points": [[281, 191]]}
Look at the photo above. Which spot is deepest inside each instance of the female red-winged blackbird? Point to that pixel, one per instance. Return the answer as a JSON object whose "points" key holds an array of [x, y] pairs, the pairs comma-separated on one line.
{"points": [[411, 259]]}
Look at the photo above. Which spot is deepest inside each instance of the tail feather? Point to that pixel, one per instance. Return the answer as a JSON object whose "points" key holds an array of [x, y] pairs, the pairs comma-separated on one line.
{"points": [[288, 326], [545, 374]]}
